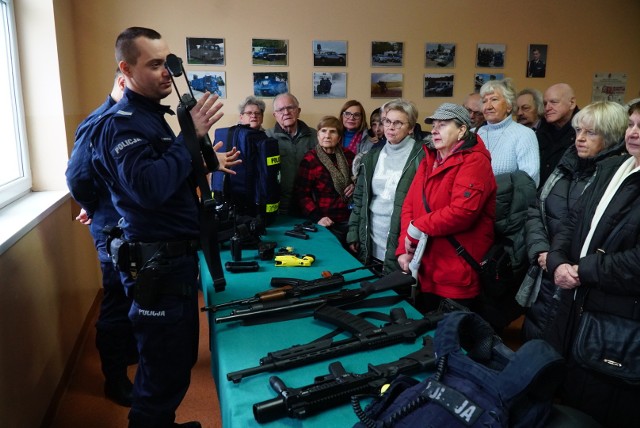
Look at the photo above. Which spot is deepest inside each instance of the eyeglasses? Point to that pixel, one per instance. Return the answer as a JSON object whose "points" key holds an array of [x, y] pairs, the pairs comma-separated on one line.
{"points": [[394, 125], [474, 113], [350, 115], [287, 109], [253, 113]]}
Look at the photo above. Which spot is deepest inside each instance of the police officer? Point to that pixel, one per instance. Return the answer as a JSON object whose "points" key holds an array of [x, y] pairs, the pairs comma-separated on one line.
{"points": [[148, 170], [114, 336]]}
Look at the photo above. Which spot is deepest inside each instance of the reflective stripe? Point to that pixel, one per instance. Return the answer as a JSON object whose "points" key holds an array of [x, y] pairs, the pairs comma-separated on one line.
{"points": [[272, 208], [273, 160]]}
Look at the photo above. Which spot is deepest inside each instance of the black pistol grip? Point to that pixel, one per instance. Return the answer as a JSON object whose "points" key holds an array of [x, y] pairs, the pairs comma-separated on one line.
{"points": [[343, 319]]}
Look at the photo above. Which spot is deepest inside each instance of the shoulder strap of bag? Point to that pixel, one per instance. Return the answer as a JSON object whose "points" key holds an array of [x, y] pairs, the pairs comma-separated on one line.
{"points": [[535, 367], [466, 330], [460, 250]]}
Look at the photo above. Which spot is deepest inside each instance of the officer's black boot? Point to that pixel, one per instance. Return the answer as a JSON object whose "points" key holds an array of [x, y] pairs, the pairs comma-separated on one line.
{"points": [[192, 424], [119, 390], [111, 344]]}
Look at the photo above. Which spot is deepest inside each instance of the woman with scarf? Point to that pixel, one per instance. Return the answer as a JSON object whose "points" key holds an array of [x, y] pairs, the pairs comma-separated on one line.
{"points": [[324, 186], [599, 135], [594, 258], [356, 136]]}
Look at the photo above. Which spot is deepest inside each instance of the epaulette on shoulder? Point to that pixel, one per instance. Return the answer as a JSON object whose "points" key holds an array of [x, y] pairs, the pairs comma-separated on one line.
{"points": [[124, 113]]}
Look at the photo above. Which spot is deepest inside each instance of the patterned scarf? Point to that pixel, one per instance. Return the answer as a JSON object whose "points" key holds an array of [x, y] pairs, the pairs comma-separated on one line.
{"points": [[353, 144], [340, 176]]}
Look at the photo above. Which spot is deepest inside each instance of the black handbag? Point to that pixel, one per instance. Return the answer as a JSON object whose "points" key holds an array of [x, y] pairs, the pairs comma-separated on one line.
{"points": [[609, 343]]}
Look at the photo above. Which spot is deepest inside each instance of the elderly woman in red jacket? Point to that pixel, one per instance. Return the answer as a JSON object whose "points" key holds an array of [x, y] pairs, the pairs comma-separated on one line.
{"points": [[452, 194]]}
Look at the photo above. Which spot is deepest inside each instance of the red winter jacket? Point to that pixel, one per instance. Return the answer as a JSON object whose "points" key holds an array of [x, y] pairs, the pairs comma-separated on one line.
{"points": [[461, 194]]}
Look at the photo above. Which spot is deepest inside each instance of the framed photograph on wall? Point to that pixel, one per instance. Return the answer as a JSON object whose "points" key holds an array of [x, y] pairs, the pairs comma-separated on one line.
{"points": [[270, 84], [440, 55], [329, 85], [202, 81], [490, 55], [537, 61], [387, 54], [386, 85], [329, 53], [481, 78], [269, 52], [205, 50], [438, 85]]}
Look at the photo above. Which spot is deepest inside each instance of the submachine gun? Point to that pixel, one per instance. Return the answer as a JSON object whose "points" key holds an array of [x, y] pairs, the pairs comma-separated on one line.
{"points": [[202, 153], [267, 311], [337, 387], [364, 336]]}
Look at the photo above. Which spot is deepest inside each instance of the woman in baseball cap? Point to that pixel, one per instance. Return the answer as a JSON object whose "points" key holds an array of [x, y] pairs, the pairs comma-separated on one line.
{"points": [[452, 194]]}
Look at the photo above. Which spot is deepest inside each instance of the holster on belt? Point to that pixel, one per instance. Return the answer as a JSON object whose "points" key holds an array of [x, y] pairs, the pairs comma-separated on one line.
{"points": [[154, 278]]}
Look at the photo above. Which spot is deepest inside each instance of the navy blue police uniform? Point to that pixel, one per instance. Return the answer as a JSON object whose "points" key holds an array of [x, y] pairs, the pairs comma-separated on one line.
{"points": [[149, 172], [114, 335]]}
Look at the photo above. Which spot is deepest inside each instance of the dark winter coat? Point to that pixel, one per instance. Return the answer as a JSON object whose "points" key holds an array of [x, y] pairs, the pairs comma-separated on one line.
{"points": [[564, 186], [611, 268], [552, 143]]}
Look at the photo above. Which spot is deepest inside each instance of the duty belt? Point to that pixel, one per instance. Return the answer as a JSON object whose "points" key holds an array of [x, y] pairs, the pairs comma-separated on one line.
{"points": [[169, 249]]}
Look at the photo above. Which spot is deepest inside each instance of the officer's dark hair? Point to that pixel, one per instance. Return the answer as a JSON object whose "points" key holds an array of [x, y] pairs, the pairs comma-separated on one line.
{"points": [[126, 49]]}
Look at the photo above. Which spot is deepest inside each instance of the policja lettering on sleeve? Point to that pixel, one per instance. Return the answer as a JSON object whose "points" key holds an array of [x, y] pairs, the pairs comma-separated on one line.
{"points": [[126, 143]]}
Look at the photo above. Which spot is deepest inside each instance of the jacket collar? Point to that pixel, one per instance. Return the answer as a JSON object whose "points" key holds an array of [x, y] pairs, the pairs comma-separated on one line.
{"points": [[146, 103]]}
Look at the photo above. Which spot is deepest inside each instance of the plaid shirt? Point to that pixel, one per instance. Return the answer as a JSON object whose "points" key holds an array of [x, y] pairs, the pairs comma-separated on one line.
{"points": [[314, 190]]}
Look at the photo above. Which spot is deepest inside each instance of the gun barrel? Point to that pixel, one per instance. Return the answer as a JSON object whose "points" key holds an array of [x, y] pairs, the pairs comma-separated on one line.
{"points": [[238, 375], [289, 305]]}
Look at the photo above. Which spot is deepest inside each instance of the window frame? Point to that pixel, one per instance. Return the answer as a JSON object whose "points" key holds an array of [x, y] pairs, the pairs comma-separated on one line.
{"points": [[20, 185]]}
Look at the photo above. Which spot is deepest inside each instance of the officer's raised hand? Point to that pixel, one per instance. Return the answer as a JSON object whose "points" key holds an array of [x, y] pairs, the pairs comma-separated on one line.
{"points": [[205, 113], [228, 159]]}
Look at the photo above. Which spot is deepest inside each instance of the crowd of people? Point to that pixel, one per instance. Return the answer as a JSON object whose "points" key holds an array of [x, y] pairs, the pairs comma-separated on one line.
{"points": [[556, 183]]}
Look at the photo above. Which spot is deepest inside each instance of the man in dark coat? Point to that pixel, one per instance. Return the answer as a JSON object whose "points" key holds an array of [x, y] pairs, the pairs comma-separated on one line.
{"points": [[556, 134]]}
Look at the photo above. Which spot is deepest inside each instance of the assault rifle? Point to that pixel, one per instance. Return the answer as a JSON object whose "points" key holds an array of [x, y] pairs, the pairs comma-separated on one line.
{"points": [[338, 386], [365, 336], [202, 154], [339, 299], [294, 287]]}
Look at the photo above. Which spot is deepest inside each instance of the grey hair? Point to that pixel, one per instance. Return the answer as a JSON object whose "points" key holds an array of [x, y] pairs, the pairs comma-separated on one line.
{"points": [[252, 101], [505, 87], [607, 118], [286, 94], [537, 99], [404, 106]]}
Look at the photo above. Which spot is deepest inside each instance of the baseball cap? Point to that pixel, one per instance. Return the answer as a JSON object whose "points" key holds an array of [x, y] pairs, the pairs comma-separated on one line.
{"points": [[448, 111]]}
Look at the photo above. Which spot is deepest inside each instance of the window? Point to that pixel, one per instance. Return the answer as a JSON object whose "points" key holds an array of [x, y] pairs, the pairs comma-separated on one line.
{"points": [[15, 175]]}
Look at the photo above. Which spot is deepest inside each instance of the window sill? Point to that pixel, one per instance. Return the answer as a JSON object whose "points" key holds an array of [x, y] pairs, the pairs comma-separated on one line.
{"points": [[19, 217]]}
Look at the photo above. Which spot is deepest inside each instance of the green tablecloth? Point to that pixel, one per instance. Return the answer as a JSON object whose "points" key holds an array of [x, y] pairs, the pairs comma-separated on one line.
{"points": [[235, 346]]}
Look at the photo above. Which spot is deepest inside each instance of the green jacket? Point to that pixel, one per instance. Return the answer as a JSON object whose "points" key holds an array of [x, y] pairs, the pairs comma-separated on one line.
{"points": [[292, 150], [359, 222]]}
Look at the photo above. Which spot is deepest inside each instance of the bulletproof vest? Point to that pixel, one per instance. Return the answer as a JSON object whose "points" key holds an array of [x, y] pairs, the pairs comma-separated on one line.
{"points": [[479, 382], [255, 188]]}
